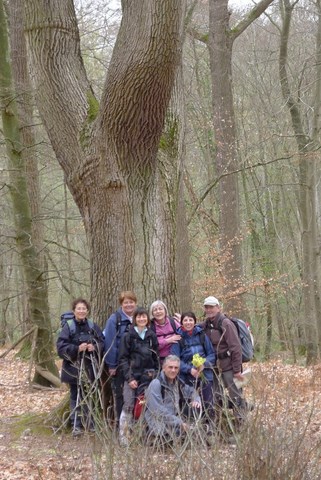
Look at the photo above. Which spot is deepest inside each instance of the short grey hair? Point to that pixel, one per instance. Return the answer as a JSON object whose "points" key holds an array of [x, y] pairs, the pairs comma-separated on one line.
{"points": [[171, 358], [155, 304]]}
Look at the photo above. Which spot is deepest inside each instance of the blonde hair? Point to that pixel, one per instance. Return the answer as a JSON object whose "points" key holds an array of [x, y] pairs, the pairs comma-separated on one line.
{"points": [[127, 294]]}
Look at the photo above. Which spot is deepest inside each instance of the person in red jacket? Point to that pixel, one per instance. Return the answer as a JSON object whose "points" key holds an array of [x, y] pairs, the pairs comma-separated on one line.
{"points": [[228, 350]]}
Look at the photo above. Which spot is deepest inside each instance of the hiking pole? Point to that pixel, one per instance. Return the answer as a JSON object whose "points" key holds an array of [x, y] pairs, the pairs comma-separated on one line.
{"points": [[80, 371], [96, 378]]}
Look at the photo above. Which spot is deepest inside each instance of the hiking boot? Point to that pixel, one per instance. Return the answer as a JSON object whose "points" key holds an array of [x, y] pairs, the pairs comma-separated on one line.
{"points": [[77, 432]]}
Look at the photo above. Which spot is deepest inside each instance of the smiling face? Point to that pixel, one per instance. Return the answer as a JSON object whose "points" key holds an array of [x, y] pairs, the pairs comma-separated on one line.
{"points": [[188, 323], [128, 306], [141, 320], [211, 310], [159, 313], [80, 311]]}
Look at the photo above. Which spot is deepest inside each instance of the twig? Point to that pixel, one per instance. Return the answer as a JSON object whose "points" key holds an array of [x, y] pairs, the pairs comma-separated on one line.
{"points": [[4, 354]]}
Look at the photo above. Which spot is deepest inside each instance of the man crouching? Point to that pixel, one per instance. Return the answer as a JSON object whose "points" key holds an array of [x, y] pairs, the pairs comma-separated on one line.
{"points": [[170, 402]]}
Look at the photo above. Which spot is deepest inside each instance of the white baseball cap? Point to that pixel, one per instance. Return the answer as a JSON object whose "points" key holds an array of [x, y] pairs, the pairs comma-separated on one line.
{"points": [[211, 301]]}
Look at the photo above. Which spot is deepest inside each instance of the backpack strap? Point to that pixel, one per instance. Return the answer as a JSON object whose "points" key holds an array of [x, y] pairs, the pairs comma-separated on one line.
{"points": [[181, 384], [220, 326], [72, 326], [173, 324], [118, 320]]}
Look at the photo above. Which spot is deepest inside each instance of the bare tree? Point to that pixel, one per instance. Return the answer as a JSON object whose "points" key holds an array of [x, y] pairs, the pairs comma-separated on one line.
{"points": [[108, 150], [34, 274], [308, 146]]}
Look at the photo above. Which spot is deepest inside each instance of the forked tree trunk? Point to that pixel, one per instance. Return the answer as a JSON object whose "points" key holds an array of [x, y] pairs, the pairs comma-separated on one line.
{"points": [[108, 151]]}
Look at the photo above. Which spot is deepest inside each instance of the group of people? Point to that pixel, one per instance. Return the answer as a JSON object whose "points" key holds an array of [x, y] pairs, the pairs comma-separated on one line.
{"points": [[182, 366]]}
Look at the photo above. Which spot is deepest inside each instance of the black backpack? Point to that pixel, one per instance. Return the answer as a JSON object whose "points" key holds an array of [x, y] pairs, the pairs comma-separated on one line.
{"points": [[69, 318]]}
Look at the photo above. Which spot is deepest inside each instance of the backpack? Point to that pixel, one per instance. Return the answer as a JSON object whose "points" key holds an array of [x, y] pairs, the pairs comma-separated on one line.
{"points": [[139, 406], [68, 318], [245, 336]]}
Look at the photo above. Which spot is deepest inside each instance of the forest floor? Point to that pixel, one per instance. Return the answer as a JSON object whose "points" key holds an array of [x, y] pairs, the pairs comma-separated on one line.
{"points": [[36, 453]]}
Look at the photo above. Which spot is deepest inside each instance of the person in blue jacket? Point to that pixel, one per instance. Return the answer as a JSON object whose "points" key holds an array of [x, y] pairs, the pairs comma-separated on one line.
{"points": [[194, 341], [116, 327]]}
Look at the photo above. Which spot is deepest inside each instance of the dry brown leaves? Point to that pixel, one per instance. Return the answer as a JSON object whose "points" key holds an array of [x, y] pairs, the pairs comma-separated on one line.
{"points": [[278, 389]]}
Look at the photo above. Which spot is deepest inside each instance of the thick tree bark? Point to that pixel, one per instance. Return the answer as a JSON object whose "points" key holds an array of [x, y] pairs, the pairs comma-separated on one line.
{"points": [[220, 48], [33, 273], [220, 44], [109, 151]]}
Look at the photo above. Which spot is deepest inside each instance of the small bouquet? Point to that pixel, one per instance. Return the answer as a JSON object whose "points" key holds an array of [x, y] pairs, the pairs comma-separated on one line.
{"points": [[197, 362]]}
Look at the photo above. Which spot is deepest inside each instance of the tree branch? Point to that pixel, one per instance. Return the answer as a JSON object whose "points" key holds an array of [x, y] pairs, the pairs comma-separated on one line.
{"points": [[218, 179], [252, 15]]}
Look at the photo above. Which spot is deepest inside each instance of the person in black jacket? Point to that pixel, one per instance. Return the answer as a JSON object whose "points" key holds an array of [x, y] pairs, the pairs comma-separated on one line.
{"points": [[80, 345], [139, 362]]}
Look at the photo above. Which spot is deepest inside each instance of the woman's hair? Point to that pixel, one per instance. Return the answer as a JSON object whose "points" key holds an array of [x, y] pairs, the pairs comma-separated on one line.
{"points": [[188, 314], [155, 304], [80, 300], [127, 294], [141, 311]]}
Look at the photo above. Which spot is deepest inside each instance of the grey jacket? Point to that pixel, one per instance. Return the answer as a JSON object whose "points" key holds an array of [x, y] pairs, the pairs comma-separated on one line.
{"points": [[163, 406]]}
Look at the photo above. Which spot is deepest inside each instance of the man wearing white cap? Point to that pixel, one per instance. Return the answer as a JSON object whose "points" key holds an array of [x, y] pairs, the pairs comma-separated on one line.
{"points": [[224, 337]]}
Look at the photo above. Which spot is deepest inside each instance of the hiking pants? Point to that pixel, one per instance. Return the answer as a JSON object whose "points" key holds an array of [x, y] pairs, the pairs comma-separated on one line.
{"points": [[117, 386], [226, 379], [129, 395]]}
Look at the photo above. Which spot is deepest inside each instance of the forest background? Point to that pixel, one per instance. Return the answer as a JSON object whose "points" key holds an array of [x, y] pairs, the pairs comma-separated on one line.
{"points": [[172, 149]]}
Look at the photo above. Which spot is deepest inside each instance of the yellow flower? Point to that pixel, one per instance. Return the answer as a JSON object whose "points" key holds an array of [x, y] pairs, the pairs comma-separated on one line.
{"points": [[197, 360]]}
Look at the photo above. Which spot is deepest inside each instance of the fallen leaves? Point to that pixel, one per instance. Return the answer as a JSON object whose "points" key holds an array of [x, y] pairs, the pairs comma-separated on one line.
{"points": [[279, 391]]}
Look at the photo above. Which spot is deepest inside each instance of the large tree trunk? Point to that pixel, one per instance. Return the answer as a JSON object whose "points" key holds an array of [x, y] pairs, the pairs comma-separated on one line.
{"points": [[220, 44], [220, 48], [109, 151], [34, 275]]}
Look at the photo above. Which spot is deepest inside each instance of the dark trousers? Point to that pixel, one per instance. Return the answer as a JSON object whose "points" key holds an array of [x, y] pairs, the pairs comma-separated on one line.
{"points": [[234, 399], [80, 416], [207, 397], [117, 387]]}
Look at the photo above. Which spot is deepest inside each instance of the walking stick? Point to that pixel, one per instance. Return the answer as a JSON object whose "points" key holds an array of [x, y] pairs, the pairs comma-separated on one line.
{"points": [[80, 372]]}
